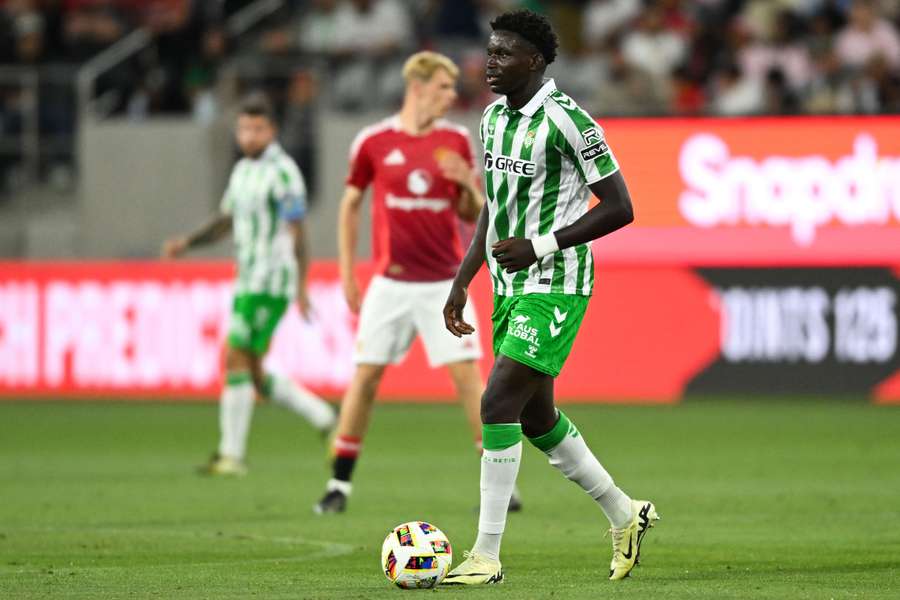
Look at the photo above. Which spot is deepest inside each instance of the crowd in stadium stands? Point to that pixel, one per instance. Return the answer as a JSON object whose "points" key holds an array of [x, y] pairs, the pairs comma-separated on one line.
{"points": [[618, 57], [628, 57]]}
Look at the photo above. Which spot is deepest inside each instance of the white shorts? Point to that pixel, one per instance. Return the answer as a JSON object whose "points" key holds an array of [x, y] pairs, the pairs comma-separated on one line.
{"points": [[393, 312]]}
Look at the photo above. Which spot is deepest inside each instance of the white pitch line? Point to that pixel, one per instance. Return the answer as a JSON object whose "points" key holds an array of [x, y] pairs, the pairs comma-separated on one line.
{"points": [[328, 549]]}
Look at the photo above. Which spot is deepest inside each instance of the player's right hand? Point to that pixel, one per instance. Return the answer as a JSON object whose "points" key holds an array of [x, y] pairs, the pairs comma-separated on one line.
{"points": [[351, 294], [174, 247], [453, 312]]}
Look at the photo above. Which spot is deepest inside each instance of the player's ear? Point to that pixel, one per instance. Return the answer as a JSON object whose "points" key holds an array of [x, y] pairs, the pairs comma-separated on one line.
{"points": [[537, 62]]}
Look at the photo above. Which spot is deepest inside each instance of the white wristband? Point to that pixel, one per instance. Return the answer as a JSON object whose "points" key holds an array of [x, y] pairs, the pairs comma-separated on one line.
{"points": [[544, 245]]}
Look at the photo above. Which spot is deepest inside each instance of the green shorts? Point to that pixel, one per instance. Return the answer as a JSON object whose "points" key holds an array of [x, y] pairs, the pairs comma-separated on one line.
{"points": [[538, 330], [254, 318]]}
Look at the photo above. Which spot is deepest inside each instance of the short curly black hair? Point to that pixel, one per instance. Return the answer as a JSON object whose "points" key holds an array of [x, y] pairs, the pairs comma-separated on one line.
{"points": [[533, 27]]}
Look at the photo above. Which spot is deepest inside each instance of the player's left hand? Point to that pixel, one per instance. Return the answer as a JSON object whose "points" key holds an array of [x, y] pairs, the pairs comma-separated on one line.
{"points": [[514, 254]]}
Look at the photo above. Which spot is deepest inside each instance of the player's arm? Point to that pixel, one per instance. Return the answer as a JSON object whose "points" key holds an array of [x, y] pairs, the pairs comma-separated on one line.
{"points": [[290, 191], [613, 212], [210, 232], [459, 292], [470, 204], [455, 168], [301, 254], [348, 228]]}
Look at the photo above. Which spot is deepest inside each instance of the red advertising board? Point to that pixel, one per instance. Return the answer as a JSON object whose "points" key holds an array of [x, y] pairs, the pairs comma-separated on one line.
{"points": [[155, 329], [760, 191]]}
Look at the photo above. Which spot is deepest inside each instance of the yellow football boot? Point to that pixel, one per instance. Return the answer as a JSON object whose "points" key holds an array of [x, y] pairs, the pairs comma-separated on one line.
{"points": [[626, 542]]}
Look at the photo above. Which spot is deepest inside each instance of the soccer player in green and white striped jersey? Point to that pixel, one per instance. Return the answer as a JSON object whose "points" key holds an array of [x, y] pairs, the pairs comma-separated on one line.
{"points": [[543, 157], [264, 204]]}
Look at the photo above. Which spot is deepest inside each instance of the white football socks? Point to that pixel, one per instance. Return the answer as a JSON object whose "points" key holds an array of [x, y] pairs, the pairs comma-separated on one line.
{"points": [[576, 461], [499, 469], [568, 452], [303, 402], [344, 487], [235, 412]]}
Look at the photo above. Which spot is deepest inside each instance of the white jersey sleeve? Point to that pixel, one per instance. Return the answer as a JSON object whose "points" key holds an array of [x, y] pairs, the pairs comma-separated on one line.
{"points": [[290, 190], [581, 139]]}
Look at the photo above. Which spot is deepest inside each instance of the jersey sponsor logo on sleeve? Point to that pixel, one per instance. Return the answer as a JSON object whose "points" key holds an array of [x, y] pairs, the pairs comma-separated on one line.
{"points": [[591, 136], [513, 166], [595, 151]]}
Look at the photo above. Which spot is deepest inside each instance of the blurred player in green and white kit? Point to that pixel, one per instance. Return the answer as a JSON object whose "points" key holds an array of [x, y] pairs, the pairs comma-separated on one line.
{"points": [[265, 205]]}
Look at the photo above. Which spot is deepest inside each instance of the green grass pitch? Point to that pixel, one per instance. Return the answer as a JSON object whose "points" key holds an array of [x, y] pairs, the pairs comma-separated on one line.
{"points": [[786, 498]]}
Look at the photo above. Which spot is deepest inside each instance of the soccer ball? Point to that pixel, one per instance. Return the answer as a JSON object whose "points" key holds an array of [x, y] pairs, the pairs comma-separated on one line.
{"points": [[416, 555]]}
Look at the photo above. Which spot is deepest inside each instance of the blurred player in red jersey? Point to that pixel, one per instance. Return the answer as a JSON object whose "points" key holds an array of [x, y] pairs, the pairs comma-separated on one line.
{"points": [[420, 167]]}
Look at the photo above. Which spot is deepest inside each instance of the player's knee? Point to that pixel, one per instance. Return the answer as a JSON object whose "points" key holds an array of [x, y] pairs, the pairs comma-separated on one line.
{"points": [[494, 410], [535, 426], [236, 360]]}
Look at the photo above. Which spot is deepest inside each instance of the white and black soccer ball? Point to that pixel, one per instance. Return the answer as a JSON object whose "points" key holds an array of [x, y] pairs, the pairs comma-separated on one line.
{"points": [[416, 555]]}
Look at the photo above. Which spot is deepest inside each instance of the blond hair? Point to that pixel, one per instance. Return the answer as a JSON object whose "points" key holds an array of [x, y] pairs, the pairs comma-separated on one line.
{"points": [[422, 66]]}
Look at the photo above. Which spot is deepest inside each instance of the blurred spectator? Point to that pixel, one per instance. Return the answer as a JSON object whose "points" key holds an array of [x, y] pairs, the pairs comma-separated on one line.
{"points": [[455, 20], [605, 19], [867, 37], [651, 47], [169, 22], [21, 32], [707, 53], [779, 98], [202, 74], [372, 28], [90, 26], [371, 37], [316, 34], [828, 91], [675, 17], [686, 97], [29, 38], [578, 74], [783, 51], [736, 94], [629, 90], [887, 85], [298, 125], [566, 16], [54, 25], [319, 32]]}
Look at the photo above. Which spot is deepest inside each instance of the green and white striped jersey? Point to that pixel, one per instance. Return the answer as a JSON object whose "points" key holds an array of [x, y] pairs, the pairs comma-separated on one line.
{"points": [[538, 163], [262, 195]]}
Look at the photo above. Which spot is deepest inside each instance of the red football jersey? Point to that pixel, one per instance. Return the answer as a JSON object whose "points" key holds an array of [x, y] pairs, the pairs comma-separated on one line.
{"points": [[415, 232]]}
